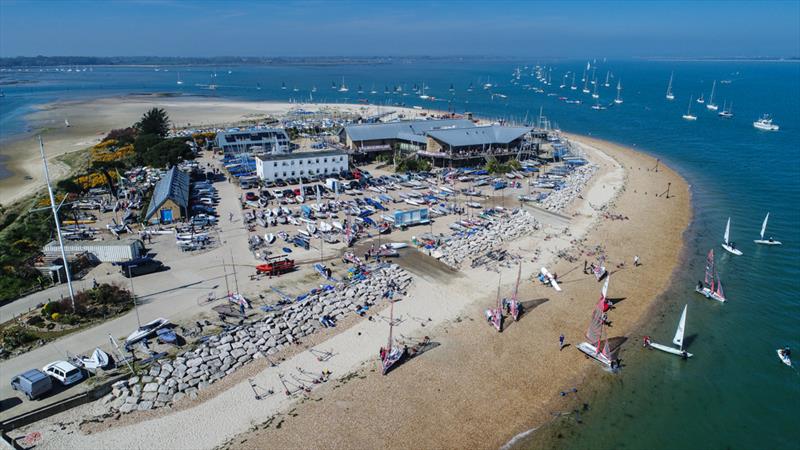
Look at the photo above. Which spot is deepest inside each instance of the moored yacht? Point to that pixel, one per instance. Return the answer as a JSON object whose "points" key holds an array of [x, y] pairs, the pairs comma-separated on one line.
{"points": [[688, 115], [765, 123]]}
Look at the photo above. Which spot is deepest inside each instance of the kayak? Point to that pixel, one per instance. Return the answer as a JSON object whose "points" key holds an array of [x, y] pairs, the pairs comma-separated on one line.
{"points": [[287, 250]]}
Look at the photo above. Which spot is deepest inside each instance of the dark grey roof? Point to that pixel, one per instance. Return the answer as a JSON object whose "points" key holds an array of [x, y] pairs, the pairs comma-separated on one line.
{"points": [[296, 155], [174, 186], [392, 130], [464, 137]]}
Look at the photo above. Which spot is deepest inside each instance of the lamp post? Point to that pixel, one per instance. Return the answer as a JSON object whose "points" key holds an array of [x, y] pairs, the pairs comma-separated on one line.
{"points": [[133, 295]]}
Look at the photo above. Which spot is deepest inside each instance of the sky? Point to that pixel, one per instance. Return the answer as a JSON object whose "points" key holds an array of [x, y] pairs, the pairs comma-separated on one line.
{"points": [[399, 28]]}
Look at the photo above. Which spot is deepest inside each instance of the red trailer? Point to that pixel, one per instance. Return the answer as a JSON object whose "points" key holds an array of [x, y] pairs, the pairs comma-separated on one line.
{"points": [[277, 267]]}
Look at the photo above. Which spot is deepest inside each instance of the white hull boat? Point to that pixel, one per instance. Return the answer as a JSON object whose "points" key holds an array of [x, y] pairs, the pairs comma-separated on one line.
{"points": [[98, 360], [763, 241], [591, 351], [677, 340], [269, 238], [726, 243], [784, 358]]}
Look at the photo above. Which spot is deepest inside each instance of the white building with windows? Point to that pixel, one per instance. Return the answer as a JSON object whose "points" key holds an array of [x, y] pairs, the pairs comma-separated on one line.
{"points": [[302, 164]]}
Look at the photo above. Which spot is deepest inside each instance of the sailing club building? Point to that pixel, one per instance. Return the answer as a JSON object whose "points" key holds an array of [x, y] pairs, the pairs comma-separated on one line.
{"points": [[253, 141], [300, 164], [446, 143]]}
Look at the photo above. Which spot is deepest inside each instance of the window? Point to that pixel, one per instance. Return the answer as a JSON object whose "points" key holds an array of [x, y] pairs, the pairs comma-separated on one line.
{"points": [[275, 164], [300, 162], [317, 160], [326, 159]]}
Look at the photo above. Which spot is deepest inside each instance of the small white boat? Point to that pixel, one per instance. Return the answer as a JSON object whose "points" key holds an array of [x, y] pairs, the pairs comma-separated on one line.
{"points": [[269, 238], [786, 359], [700, 99], [688, 115], [618, 100], [669, 95], [727, 244], [711, 105], [677, 340], [592, 352], [475, 205], [311, 228], [146, 330], [552, 279], [765, 124], [763, 241], [98, 360], [397, 245]]}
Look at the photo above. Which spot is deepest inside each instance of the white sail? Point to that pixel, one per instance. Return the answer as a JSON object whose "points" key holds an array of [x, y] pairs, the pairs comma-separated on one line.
{"points": [[678, 339], [727, 231], [764, 226], [605, 286]]}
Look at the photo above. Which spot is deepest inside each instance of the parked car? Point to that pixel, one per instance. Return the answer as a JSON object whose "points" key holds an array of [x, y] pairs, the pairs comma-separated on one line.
{"points": [[63, 372], [33, 383], [250, 196], [280, 183], [140, 266], [291, 180]]}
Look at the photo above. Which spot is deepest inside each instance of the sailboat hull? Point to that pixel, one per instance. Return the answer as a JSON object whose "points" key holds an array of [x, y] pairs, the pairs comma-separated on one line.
{"points": [[731, 250], [784, 359], [767, 242], [708, 293], [667, 349], [591, 351]]}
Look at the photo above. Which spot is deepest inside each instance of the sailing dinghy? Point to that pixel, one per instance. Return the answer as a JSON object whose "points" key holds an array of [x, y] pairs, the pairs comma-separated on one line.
{"points": [[495, 315], [711, 286], [763, 241], [727, 244], [596, 346], [677, 340], [392, 353]]}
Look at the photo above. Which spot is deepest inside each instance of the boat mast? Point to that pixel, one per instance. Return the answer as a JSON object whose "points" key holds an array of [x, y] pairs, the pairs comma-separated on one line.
{"points": [[58, 224]]}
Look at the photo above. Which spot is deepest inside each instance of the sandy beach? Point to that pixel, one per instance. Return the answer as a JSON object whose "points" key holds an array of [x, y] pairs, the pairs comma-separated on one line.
{"points": [[474, 388]]}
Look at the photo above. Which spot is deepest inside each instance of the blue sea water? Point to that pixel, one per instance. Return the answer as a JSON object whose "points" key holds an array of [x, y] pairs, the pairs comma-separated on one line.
{"points": [[734, 393]]}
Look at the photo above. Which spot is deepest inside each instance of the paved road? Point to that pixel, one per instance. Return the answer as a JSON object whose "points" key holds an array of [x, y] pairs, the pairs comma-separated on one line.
{"points": [[172, 294]]}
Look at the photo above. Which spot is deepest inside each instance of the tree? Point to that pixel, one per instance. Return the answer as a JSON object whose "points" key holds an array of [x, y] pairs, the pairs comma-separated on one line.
{"points": [[155, 121]]}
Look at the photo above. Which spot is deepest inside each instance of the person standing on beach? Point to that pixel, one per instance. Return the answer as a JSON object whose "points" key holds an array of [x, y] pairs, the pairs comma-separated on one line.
{"points": [[636, 261], [561, 342]]}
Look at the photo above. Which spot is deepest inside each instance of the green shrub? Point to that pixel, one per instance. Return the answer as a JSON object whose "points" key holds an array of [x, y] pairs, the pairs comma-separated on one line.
{"points": [[50, 308], [14, 337]]}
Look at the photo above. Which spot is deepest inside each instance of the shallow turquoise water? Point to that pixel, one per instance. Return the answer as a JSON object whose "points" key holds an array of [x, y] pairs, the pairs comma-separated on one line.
{"points": [[734, 393]]}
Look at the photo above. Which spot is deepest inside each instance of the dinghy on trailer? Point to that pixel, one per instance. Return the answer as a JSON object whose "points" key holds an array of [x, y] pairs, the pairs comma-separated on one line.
{"points": [[677, 340], [763, 241], [711, 286], [727, 244]]}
